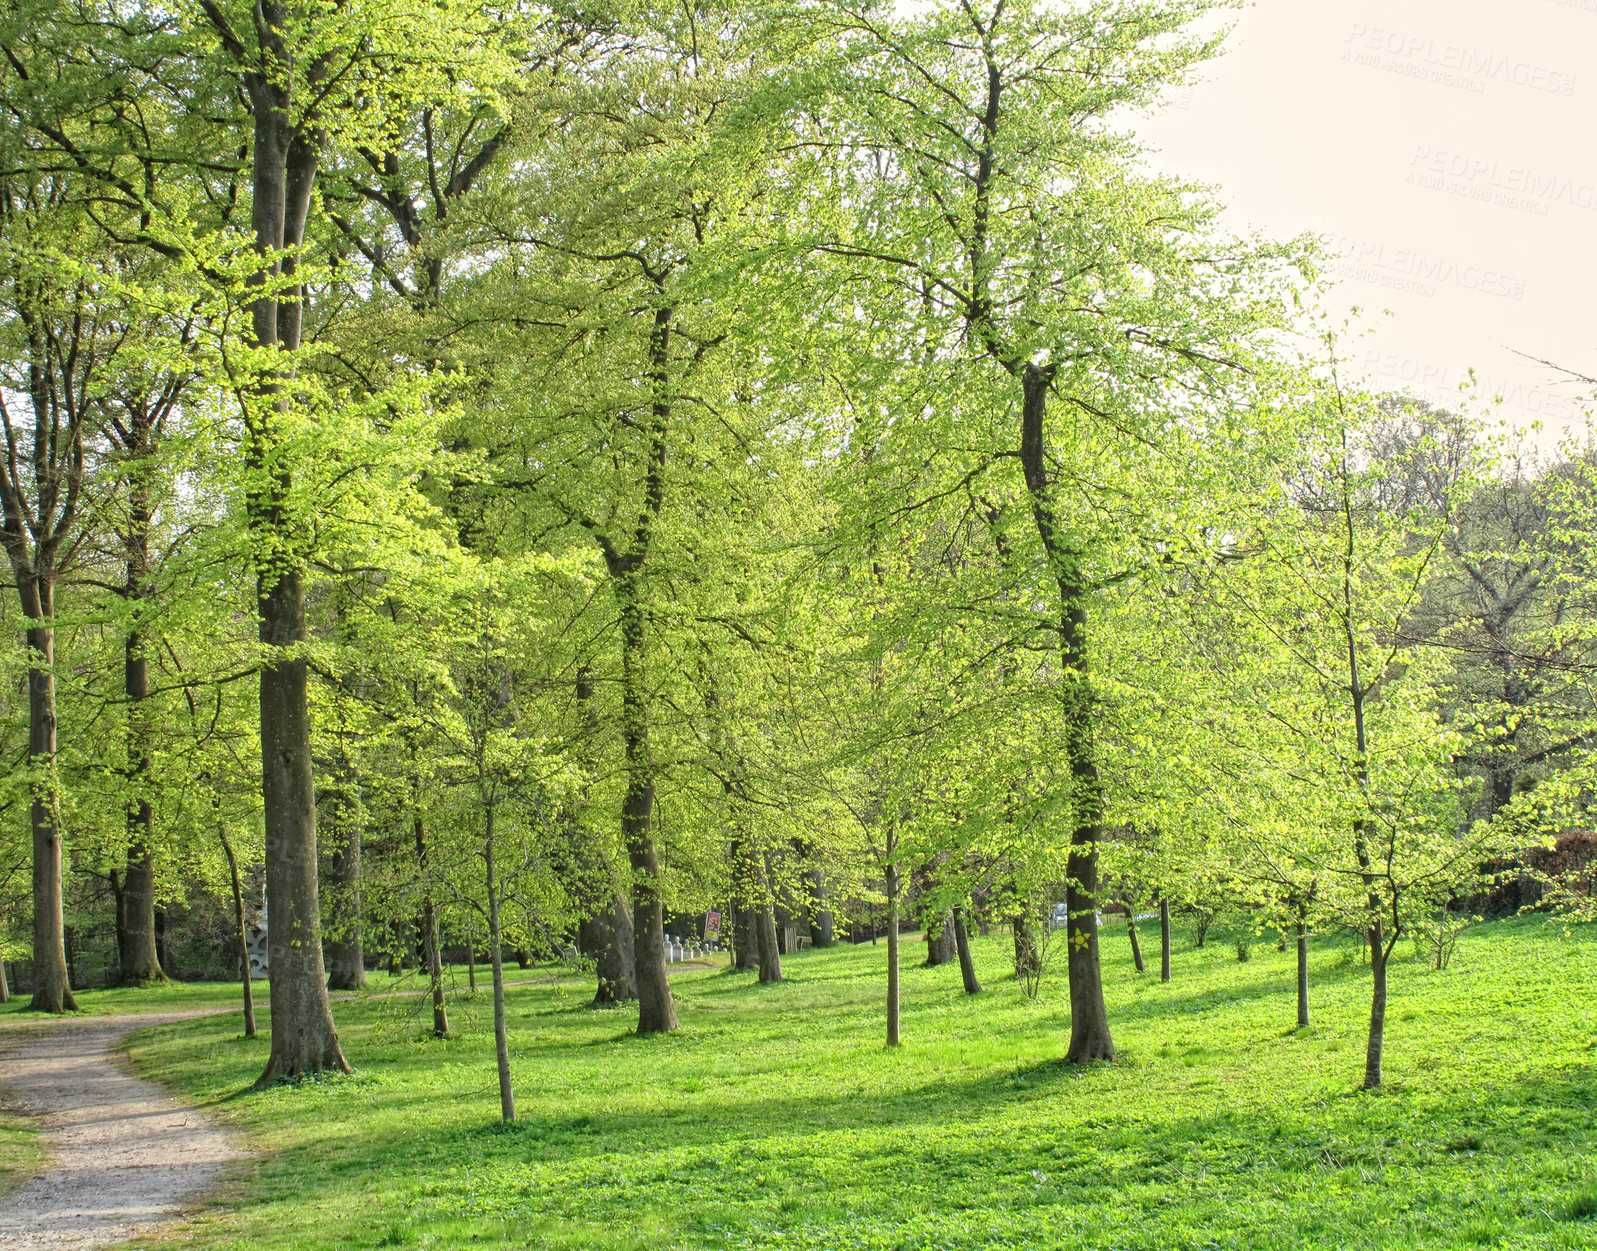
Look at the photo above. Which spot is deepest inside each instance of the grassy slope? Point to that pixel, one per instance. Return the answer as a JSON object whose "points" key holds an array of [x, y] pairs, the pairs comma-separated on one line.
{"points": [[775, 1118]]}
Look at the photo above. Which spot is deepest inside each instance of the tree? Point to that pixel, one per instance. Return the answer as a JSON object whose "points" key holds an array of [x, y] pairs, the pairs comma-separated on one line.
{"points": [[59, 339], [1354, 802], [138, 411], [1535, 702], [518, 782], [306, 76], [1082, 322], [284, 66], [627, 418]]}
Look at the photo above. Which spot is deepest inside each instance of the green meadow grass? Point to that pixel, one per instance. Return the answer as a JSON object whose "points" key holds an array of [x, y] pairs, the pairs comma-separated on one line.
{"points": [[20, 1153], [160, 997], [217, 996], [776, 1118]]}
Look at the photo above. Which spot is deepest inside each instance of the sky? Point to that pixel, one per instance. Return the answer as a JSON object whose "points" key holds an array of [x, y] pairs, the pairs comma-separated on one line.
{"points": [[1447, 149]]}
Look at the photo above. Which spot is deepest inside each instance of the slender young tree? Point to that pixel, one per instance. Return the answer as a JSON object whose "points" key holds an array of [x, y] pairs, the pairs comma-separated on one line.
{"points": [[1164, 938], [1345, 791]]}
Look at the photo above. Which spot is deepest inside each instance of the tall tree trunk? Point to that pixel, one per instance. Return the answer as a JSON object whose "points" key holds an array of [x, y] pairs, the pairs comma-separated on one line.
{"points": [[507, 1095], [745, 897], [1303, 973], [967, 966], [5, 987], [770, 951], [1089, 1015], [608, 935], [52, 989], [745, 938], [656, 1011], [429, 931], [1136, 947], [40, 481], [243, 936], [892, 956], [346, 955], [139, 963], [1358, 693], [770, 955], [940, 948], [1027, 955], [769, 943], [1164, 939], [1378, 952], [823, 925], [283, 173], [304, 1040]]}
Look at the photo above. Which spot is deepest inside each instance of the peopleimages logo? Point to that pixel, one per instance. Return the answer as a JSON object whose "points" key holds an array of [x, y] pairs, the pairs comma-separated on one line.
{"points": [[1412, 269], [1453, 384], [1453, 64], [1481, 178]]}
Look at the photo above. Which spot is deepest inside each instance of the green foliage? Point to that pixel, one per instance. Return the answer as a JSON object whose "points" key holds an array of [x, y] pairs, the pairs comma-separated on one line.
{"points": [[799, 445]]}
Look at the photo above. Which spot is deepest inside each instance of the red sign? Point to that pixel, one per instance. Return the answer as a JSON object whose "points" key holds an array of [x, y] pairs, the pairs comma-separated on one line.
{"points": [[712, 923]]}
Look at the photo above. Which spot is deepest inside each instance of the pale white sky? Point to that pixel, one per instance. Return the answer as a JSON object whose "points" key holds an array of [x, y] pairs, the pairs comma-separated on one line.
{"points": [[1449, 149]]}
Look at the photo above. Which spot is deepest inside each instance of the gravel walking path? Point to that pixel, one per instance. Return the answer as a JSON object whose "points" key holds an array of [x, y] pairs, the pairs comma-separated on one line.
{"points": [[123, 1154]]}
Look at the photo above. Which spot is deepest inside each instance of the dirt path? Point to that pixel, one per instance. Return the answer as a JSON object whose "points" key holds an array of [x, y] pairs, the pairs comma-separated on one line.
{"points": [[124, 1155]]}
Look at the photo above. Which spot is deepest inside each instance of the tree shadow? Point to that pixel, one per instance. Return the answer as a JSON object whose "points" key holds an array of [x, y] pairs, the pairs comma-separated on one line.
{"points": [[1152, 1003]]}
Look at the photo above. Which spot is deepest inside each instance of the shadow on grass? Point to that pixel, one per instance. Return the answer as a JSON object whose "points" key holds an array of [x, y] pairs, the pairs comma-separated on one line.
{"points": [[755, 1098], [1152, 1003], [1324, 1153]]}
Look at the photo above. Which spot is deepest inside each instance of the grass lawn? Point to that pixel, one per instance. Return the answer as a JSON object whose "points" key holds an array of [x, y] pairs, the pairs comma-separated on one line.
{"points": [[161, 997], [20, 1154], [776, 1118], [191, 996]]}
